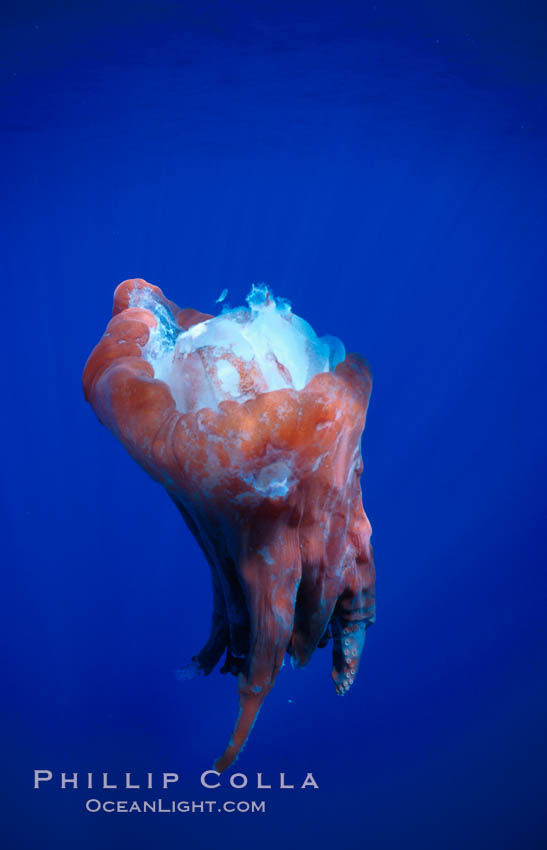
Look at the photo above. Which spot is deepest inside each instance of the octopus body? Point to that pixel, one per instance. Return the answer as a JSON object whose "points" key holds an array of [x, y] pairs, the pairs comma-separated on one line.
{"points": [[268, 483]]}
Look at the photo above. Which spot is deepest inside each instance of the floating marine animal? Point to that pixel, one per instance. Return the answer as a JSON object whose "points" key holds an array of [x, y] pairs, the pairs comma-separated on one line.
{"points": [[253, 425]]}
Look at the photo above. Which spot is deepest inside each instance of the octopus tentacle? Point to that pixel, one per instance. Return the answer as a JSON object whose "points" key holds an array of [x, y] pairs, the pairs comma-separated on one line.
{"points": [[270, 574]]}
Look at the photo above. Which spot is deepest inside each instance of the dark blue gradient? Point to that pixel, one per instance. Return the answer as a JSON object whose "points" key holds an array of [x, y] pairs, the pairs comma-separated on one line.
{"points": [[382, 165]]}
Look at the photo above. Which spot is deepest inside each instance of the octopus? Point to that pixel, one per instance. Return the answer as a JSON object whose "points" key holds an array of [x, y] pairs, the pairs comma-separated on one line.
{"points": [[253, 426]]}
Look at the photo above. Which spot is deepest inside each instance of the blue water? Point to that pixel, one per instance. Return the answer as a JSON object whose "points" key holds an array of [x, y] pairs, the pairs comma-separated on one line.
{"points": [[383, 166]]}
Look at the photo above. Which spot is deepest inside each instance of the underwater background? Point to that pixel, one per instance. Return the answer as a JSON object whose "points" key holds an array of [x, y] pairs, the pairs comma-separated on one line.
{"points": [[383, 166]]}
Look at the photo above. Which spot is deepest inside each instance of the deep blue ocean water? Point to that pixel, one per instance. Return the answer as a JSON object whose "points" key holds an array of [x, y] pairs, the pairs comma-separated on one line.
{"points": [[383, 166]]}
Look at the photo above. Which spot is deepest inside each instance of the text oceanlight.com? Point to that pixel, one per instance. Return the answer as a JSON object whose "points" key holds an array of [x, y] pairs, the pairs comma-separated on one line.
{"points": [[176, 806]]}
